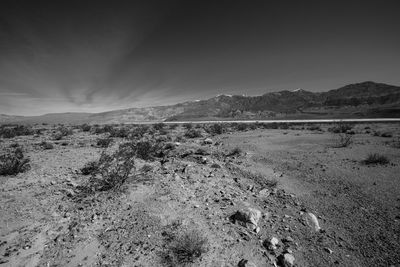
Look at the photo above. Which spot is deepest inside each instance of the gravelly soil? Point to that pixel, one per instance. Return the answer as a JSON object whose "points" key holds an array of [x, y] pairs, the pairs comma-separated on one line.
{"points": [[43, 222]]}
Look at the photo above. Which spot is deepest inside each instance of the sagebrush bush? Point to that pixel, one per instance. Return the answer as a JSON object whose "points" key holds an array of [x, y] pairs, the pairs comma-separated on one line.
{"points": [[216, 128], [85, 127], [104, 142], [111, 171], [187, 247], [148, 150], [158, 126], [139, 131], [173, 126], [376, 158], [342, 139], [241, 126], [193, 133], [236, 151], [13, 131], [122, 132], [90, 168], [13, 162], [341, 127], [187, 126]]}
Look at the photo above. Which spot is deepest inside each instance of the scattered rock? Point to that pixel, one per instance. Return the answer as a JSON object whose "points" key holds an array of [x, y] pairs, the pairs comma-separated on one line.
{"points": [[246, 263], [247, 216], [271, 244], [328, 250], [264, 192], [287, 239], [312, 221], [286, 260], [208, 141]]}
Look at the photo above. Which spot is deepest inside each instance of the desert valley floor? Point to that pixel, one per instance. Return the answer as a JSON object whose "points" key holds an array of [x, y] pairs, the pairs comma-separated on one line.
{"points": [[238, 195]]}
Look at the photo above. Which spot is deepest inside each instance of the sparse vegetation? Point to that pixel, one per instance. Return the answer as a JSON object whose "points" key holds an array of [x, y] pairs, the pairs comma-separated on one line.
{"points": [[90, 168], [236, 151], [193, 133], [342, 140], [241, 126], [85, 127], [341, 127], [216, 128], [104, 142], [187, 126], [13, 162], [111, 171], [376, 158], [13, 131], [46, 145], [187, 247]]}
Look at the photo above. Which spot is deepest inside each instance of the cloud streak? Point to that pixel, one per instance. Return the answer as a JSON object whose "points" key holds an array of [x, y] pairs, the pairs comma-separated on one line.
{"points": [[92, 56]]}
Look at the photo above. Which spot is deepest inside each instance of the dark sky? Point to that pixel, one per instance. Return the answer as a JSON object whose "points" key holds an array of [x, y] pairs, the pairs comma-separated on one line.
{"points": [[58, 56]]}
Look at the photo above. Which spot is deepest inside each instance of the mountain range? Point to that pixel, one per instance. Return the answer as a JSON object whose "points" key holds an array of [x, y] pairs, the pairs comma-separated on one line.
{"points": [[359, 100]]}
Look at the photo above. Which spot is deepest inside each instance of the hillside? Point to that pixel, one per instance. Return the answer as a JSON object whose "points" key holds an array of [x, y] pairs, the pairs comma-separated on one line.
{"points": [[359, 100]]}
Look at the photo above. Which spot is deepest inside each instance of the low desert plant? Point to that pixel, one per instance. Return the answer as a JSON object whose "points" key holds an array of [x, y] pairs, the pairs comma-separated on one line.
{"points": [[85, 127], [216, 128], [342, 140], [386, 134], [376, 158], [46, 145], [13, 162], [122, 132], [146, 168], [18, 130], [139, 131], [341, 127], [90, 168], [193, 133], [103, 142], [235, 152], [158, 126], [241, 127], [396, 142], [173, 126], [111, 171], [187, 126], [187, 247], [315, 128]]}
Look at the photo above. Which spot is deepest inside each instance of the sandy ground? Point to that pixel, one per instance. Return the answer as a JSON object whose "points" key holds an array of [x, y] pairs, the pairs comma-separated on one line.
{"points": [[42, 223]]}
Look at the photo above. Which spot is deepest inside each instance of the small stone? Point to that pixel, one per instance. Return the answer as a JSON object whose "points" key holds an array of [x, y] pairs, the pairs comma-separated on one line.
{"points": [[312, 221], [272, 243], [328, 250], [246, 263], [286, 260], [247, 215], [264, 193], [208, 141], [287, 239]]}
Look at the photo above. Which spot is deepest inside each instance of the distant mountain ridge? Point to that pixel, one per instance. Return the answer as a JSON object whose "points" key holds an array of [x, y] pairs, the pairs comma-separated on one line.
{"points": [[359, 100]]}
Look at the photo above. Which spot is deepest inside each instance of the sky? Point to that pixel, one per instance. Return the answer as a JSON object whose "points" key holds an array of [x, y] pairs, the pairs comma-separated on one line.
{"points": [[94, 56]]}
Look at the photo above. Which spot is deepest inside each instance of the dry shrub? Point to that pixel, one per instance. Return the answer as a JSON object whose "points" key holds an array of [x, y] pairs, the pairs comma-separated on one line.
{"points": [[104, 142], [342, 140], [235, 152], [13, 162], [13, 131], [193, 133], [186, 248], [376, 158]]}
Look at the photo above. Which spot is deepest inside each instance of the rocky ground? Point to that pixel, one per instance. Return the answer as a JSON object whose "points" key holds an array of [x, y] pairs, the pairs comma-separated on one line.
{"points": [[254, 197]]}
